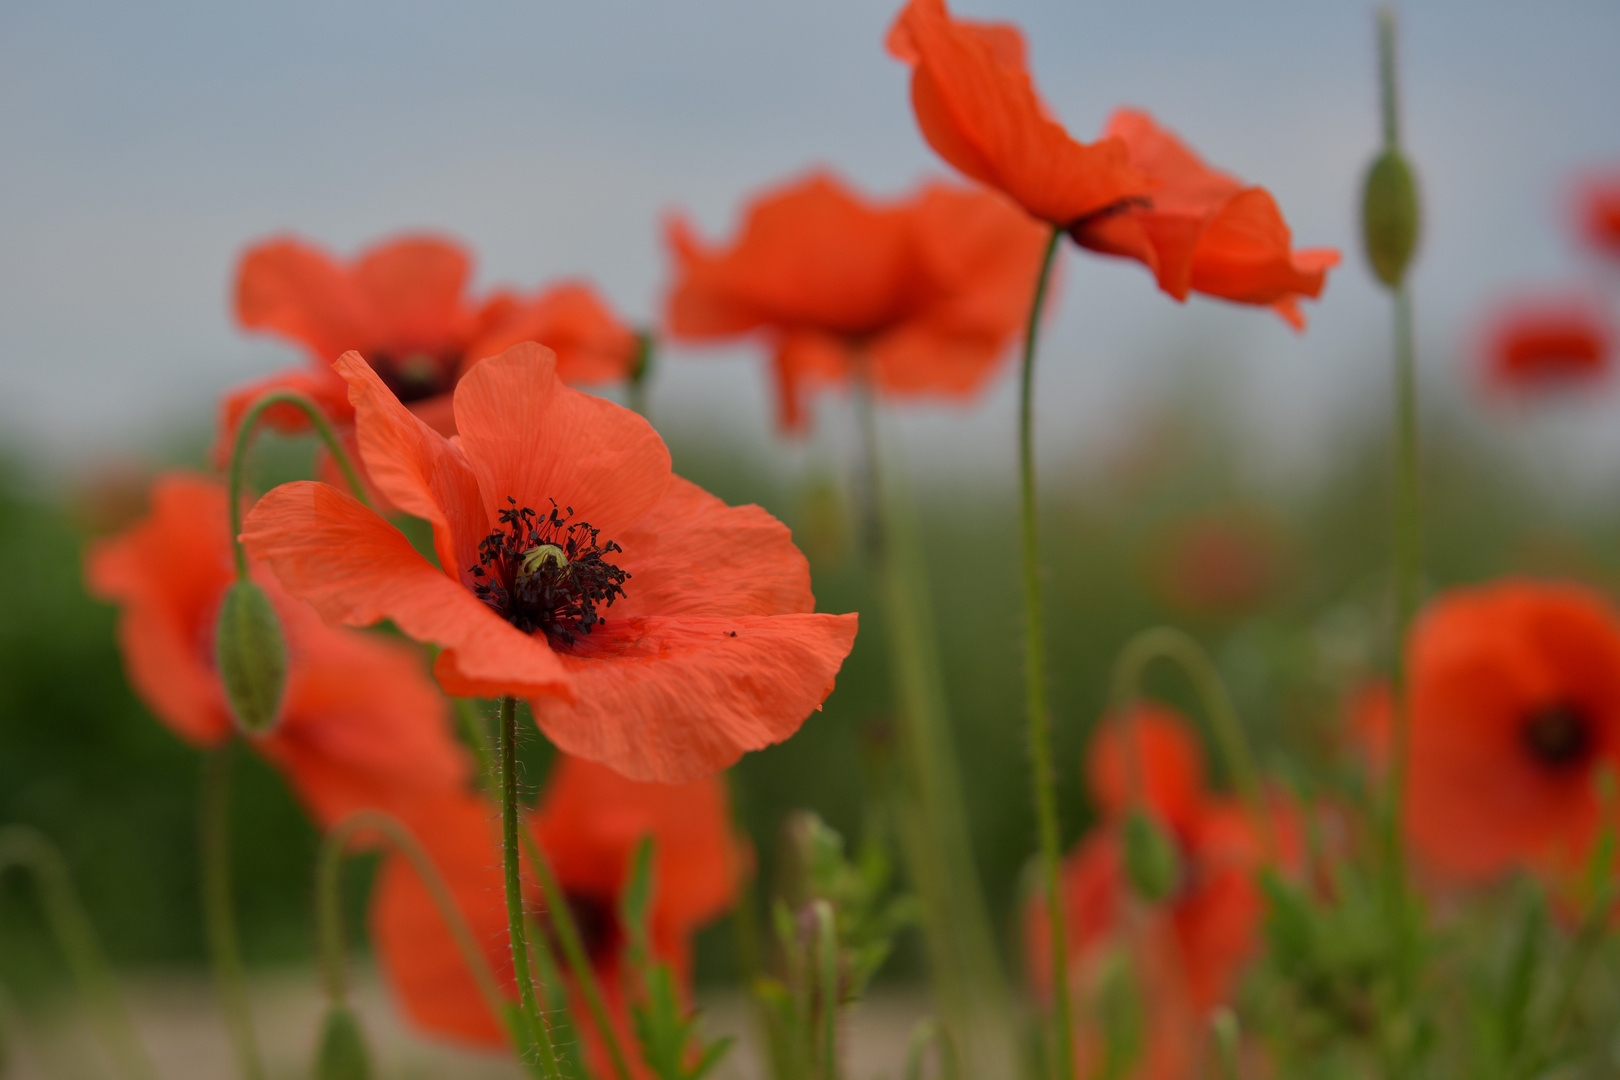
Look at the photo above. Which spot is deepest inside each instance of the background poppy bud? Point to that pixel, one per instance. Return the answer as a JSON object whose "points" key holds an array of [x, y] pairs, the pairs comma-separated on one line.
{"points": [[1390, 216], [1150, 859], [252, 656], [342, 1054]]}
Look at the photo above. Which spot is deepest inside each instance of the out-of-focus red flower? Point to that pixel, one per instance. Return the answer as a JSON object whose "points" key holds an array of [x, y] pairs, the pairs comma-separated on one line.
{"points": [[589, 823], [653, 627], [1600, 213], [978, 109], [1219, 564], [925, 293], [1188, 950], [1548, 344], [1202, 230], [1515, 709], [361, 725], [404, 306]]}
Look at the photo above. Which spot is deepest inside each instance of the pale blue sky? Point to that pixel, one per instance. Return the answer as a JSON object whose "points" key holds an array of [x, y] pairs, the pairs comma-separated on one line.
{"points": [[144, 145]]}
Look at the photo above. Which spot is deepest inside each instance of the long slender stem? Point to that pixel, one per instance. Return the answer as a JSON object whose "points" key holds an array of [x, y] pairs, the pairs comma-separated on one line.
{"points": [[1408, 542], [244, 436], [1039, 717], [26, 848], [826, 968], [219, 915], [512, 863]]}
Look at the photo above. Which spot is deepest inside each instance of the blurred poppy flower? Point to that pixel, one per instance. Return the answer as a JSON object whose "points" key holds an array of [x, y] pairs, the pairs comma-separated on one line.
{"points": [[404, 306], [362, 725], [653, 627], [978, 109], [589, 822], [1545, 344], [1219, 564], [1515, 709], [1189, 949], [1600, 213], [1204, 231], [926, 293]]}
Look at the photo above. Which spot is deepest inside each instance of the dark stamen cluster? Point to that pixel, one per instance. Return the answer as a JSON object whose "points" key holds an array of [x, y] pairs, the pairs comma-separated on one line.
{"points": [[417, 375], [547, 573], [1559, 736]]}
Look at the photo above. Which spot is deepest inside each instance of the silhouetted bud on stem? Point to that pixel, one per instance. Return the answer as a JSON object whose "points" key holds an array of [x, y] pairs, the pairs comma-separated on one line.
{"points": [[1151, 864], [1390, 216], [342, 1054], [252, 657]]}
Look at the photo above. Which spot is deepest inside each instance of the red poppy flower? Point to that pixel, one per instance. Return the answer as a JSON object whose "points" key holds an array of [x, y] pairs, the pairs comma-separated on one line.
{"points": [[404, 306], [1220, 564], [653, 628], [589, 823], [361, 723], [1600, 213], [1204, 231], [978, 109], [926, 292], [1188, 950], [1515, 708], [1548, 343]]}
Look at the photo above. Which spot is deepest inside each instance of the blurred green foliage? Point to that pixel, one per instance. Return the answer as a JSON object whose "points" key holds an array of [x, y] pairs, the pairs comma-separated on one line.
{"points": [[81, 759]]}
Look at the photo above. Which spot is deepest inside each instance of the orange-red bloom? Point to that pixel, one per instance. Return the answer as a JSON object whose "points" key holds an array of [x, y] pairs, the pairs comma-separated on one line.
{"points": [[1187, 951], [589, 822], [1220, 564], [653, 627], [1515, 709], [404, 306], [1202, 230], [924, 294], [361, 723], [977, 107], [1600, 213], [1547, 344]]}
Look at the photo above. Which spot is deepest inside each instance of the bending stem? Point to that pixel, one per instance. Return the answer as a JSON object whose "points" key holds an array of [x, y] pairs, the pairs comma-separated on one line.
{"points": [[218, 915]]}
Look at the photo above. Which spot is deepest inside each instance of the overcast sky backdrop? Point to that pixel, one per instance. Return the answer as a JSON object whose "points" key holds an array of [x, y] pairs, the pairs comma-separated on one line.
{"points": [[146, 144]]}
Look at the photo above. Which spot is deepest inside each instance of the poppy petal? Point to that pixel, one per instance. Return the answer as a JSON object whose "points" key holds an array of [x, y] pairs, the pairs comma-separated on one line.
{"points": [[413, 286], [355, 568], [673, 699], [573, 321], [298, 292]]}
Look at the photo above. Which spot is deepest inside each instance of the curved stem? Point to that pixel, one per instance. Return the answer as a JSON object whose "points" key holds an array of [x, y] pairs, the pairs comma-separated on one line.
{"points": [[218, 914], [1039, 718], [26, 848], [511, 862], [1179, 647], [244, 436], [329, 912]]}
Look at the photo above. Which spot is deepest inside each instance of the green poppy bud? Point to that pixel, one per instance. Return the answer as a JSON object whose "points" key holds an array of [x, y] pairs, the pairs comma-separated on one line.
{"points": [[1390, 217], [342, 1054], [252, 657], [1151, 864]]}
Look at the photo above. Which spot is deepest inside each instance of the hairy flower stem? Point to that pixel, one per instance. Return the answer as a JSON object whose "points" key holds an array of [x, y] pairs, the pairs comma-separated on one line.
{"points": [[557, 909], [218, 914], [1039, 717], [244, 436], [934, 834], [512, 863], [27, 849]]}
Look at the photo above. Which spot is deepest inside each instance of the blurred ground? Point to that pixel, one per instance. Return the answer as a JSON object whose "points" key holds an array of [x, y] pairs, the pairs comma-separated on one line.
{"points": [[179, 1020]]}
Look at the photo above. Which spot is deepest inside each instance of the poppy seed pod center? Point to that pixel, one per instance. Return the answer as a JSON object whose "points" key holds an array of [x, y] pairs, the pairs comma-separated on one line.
{"points": [[547, 573], [414, 376], [1558, 736], [597, 920]]}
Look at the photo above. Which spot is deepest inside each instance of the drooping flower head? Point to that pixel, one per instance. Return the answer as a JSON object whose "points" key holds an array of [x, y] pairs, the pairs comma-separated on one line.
{"points": [[653, 628], [1514, 711], [404, 306], [361, 723], [1137, 191], [1548, 344], [919, 296], [589, 823], [1193, 945], [1599, 208]]}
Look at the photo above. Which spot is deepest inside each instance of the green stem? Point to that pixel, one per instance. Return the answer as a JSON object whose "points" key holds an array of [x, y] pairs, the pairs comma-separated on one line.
{"points": [[827, 982], [1179, 647], [1039, 718], [929, 1033], [28, 849], [511, 862], [939, 854], [244, 436], [1408, 549], [218, 914], [640, 370]]}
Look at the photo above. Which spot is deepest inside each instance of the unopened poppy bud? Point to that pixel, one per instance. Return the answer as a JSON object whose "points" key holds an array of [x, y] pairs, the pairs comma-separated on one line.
{"points": [[1151, 864], [1390, 218], [252, 657], [342, 1054]]}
